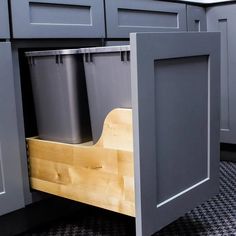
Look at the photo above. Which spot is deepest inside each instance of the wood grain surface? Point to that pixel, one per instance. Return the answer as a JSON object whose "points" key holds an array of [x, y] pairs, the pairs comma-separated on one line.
{"points": [[101, 175]]}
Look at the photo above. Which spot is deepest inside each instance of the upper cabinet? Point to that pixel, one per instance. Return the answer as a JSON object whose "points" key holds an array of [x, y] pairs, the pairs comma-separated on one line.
{"points": [[126, 16], [58, 18], [196, 18], [4, 22]]}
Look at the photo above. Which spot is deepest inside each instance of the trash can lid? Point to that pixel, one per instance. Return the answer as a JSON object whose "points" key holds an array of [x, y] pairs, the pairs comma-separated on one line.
{"points": [[52, 52], [104, 49]]}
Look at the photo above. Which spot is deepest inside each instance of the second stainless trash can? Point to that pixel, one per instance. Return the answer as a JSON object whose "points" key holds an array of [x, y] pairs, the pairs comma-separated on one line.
{"points": [[108, 79], [60, 95]]}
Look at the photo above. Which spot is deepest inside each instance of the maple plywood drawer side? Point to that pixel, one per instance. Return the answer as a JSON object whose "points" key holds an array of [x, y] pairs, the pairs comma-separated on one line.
{"points": [[101, 175]]}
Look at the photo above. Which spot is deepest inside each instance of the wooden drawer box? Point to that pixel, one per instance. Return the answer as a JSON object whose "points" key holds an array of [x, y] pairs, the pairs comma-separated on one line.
{"points": [[101, 175], [58, 18], [196, 18]]}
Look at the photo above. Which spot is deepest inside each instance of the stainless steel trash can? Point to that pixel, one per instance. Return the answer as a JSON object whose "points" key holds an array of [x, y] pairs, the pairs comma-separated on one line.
{"points": [[60, 95], [108, 79]]}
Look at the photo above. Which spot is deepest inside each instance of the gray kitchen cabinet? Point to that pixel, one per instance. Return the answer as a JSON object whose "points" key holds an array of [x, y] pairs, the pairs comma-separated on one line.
{"points": [[176, 136], [11, 186], [58, 18], [196, 18], [176, 163], [222, 18], [126, 16], [4, 21]]}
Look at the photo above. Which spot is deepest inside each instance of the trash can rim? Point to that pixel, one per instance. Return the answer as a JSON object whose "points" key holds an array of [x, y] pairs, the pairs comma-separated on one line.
{"points": [[122, 48], [51, 52], [78, 51]]}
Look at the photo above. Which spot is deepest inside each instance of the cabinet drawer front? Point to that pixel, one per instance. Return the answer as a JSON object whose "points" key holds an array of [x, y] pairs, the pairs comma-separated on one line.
{"points": [[176, 136], [126, 16], [4, 21], [196, 18], [58, 18]]}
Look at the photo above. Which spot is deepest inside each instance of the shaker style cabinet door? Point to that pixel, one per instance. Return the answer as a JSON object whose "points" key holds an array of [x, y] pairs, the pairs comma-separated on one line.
{"points": [[223, 18], [176, 136], [127, 16], [11, 187], [4, 20], [58, 18], [196, 18]]}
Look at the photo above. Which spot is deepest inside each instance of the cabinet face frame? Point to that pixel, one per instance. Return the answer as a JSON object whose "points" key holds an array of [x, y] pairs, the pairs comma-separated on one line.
{"points": [[146, 49], [196, 18], [120, 12], [11, 186], [58, 19], [4, 20], [221, 18]]}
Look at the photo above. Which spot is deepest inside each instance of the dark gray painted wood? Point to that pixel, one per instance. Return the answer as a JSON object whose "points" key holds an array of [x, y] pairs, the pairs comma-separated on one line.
{"points": [[223, 18], [126, 16], [175, 99], [4, 20], [116, 43], [1, 175], [58, 18], [196, 18], [11, 186]]}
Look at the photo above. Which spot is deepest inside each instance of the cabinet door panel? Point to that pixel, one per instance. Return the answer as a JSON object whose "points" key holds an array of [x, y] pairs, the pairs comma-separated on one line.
{"points": [[126, 16], [58, 18], [222, 19], [11, 187], [4, 21], [176, 136], [196, 18]]}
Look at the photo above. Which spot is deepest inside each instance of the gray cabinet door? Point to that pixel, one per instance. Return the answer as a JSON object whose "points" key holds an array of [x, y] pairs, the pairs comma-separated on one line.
{"points": [[11, 187], [126, 16], [175, 99], [58, 18], [223, 18], [4, 20], [196, 18]]}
